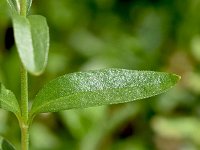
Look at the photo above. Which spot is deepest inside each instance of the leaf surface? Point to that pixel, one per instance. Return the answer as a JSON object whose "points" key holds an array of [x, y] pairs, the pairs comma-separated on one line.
{"points": [[29, 3], [8, 100], [32, 40], [5, 145], [14, 5], [101, 87]]}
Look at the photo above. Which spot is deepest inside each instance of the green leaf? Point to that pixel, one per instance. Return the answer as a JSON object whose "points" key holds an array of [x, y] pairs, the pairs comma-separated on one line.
{"points": [[95, 88], [14, 5], [5, 145], [8, 100], [29, 3], [32, 40]]}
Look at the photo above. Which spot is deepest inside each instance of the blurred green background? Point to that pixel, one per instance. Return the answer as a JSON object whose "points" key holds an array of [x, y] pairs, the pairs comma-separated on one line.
{"points": [[159, 35]]}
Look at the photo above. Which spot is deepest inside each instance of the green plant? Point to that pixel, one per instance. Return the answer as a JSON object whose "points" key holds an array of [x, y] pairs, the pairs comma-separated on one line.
{"points": [[75, 90]]}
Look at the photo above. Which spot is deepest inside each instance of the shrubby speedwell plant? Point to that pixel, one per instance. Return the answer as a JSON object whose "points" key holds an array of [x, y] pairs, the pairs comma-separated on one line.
{"points": [[75, 90]]}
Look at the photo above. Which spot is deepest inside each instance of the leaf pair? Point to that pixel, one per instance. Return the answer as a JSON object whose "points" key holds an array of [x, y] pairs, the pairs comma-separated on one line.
{"points": [[31, 37], [76, 90], [32, 40], [15, 5]]}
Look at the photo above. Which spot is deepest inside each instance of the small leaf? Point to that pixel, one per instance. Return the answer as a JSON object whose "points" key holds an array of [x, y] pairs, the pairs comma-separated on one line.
{"points": [[8, 100], [32, 40], [14, 5], [5, 145], [95, 88], [29, 3]]}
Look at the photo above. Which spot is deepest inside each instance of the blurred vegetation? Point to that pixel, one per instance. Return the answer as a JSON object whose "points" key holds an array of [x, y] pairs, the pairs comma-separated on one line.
{"points": [[160, 35]]}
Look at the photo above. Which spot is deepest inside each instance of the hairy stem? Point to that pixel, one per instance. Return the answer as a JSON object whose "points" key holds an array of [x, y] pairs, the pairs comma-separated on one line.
{"points": [[25, 137], [24, 94], [24, 109]]}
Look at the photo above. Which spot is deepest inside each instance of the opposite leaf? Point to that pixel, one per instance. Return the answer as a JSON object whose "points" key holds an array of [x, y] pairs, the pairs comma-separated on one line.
{"points": [[95, 88], [29, 3], [5, 145], [32, 40], [8, 100], [14, 5]]}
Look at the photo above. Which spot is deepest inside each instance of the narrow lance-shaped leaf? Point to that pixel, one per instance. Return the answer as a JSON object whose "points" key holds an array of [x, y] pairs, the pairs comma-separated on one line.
{"points": [[5, 145], [14, 5], [8, 100], [29, 3], [32, 40], [94, 88]]}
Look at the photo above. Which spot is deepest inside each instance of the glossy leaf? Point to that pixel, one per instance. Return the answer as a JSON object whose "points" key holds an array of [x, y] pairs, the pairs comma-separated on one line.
{"points": [[5, 145], [14, 5], [94, 88], [8, 100], [32, 40]]}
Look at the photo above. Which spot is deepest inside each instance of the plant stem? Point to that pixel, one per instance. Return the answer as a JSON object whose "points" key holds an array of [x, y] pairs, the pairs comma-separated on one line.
{"points": [[25, 137], [23, 7], [24, 94], [24, 109]]}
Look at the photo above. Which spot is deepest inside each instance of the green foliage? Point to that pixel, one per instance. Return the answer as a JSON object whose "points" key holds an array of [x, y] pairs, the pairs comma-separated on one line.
{"points": [[32, 40], [14, 5], [5, 145], [174, 127], [8, 100], [95, 88], [29, 3], [91, 88]]}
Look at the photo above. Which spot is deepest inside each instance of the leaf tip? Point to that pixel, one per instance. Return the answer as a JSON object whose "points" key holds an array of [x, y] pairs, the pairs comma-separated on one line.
{"points": [[177, 77]]}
